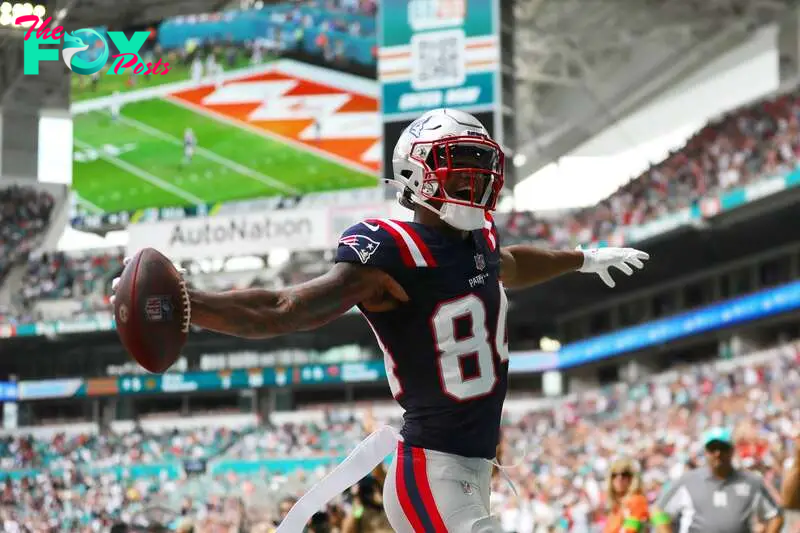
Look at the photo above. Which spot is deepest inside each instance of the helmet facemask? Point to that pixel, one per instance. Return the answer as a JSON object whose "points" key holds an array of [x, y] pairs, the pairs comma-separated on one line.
{"points": [[461, 179]]}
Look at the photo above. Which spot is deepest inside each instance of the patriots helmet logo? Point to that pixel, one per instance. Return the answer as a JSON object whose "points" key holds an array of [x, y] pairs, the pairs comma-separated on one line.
{"points": [[362, 245], [415, 130]]}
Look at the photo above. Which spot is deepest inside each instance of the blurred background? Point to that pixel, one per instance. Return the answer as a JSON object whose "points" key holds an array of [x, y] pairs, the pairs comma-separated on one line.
{"points": [[672, 126]]}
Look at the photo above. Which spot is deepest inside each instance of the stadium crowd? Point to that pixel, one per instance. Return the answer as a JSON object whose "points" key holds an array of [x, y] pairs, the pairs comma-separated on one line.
{"points": [[24, 213], [113, 450], [658, 424], [58, 275], [81, 279], [556, 456], [755, 141]]}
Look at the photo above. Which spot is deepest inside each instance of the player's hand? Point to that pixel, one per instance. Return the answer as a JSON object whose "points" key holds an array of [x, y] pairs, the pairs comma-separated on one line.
{"points": [[115, 281], [393, 296], [600, 260]]}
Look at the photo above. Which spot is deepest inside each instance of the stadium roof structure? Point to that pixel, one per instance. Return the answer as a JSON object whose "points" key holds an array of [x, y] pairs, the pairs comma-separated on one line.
{"points": [[583, 65]]}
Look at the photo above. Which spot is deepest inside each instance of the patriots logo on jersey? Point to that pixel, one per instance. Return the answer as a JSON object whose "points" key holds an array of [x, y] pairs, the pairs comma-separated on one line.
{"points": [[361, 245]]}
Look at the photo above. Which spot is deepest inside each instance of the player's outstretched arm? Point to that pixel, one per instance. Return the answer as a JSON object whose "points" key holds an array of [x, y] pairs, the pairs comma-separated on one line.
{"points": [[261, 313], [524, 265]]}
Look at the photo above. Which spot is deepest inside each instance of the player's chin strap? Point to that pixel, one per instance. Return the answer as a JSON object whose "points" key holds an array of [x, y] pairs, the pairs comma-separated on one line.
{"points": [[503, 468], [361, 461]]}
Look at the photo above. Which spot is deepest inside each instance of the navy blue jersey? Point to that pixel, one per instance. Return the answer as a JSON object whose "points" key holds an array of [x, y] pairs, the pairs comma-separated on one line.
{"points": [[446, 351]]}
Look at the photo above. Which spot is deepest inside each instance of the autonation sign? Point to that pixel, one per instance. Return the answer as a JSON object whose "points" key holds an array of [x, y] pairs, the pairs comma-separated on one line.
{"points": [[226, 236]]}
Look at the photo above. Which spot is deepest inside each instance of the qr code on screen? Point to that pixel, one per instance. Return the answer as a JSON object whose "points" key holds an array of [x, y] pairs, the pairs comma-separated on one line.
{"points": [[438, 59]]}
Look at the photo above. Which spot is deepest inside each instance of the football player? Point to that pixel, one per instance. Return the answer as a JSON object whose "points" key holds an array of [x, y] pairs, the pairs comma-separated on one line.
{"points": [[114, 105], [433, 291], [189, 144]]}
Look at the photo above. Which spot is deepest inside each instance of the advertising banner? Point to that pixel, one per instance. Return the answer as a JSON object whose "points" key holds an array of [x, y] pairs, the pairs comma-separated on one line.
{"points": [[198, 381], [51, 388], [225, 236], [438, 53], [754, 306], [253, 233]]}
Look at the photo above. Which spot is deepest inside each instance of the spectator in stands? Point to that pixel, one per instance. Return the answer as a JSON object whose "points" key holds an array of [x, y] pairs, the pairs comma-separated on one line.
{"points": [[366, 506], [628, 508], [284, 507]]}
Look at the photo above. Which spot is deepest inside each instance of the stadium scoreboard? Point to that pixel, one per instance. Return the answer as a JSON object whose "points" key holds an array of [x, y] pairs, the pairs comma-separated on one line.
{"points": [[438, 53]]}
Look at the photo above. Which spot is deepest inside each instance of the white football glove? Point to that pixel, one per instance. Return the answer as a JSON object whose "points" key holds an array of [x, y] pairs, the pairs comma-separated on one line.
{"points": [[115, 281], [600, 260]]}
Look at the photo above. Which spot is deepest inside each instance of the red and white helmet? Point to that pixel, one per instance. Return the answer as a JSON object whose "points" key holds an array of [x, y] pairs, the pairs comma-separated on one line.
{"points": [[446, 162]]}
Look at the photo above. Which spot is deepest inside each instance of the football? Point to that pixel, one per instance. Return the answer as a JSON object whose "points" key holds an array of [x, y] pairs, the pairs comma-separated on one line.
{"points": [[151, 309]]}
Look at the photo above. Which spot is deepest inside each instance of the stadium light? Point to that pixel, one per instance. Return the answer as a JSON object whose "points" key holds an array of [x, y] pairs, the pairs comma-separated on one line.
{"points": [[547, 344], [9, 12]]}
